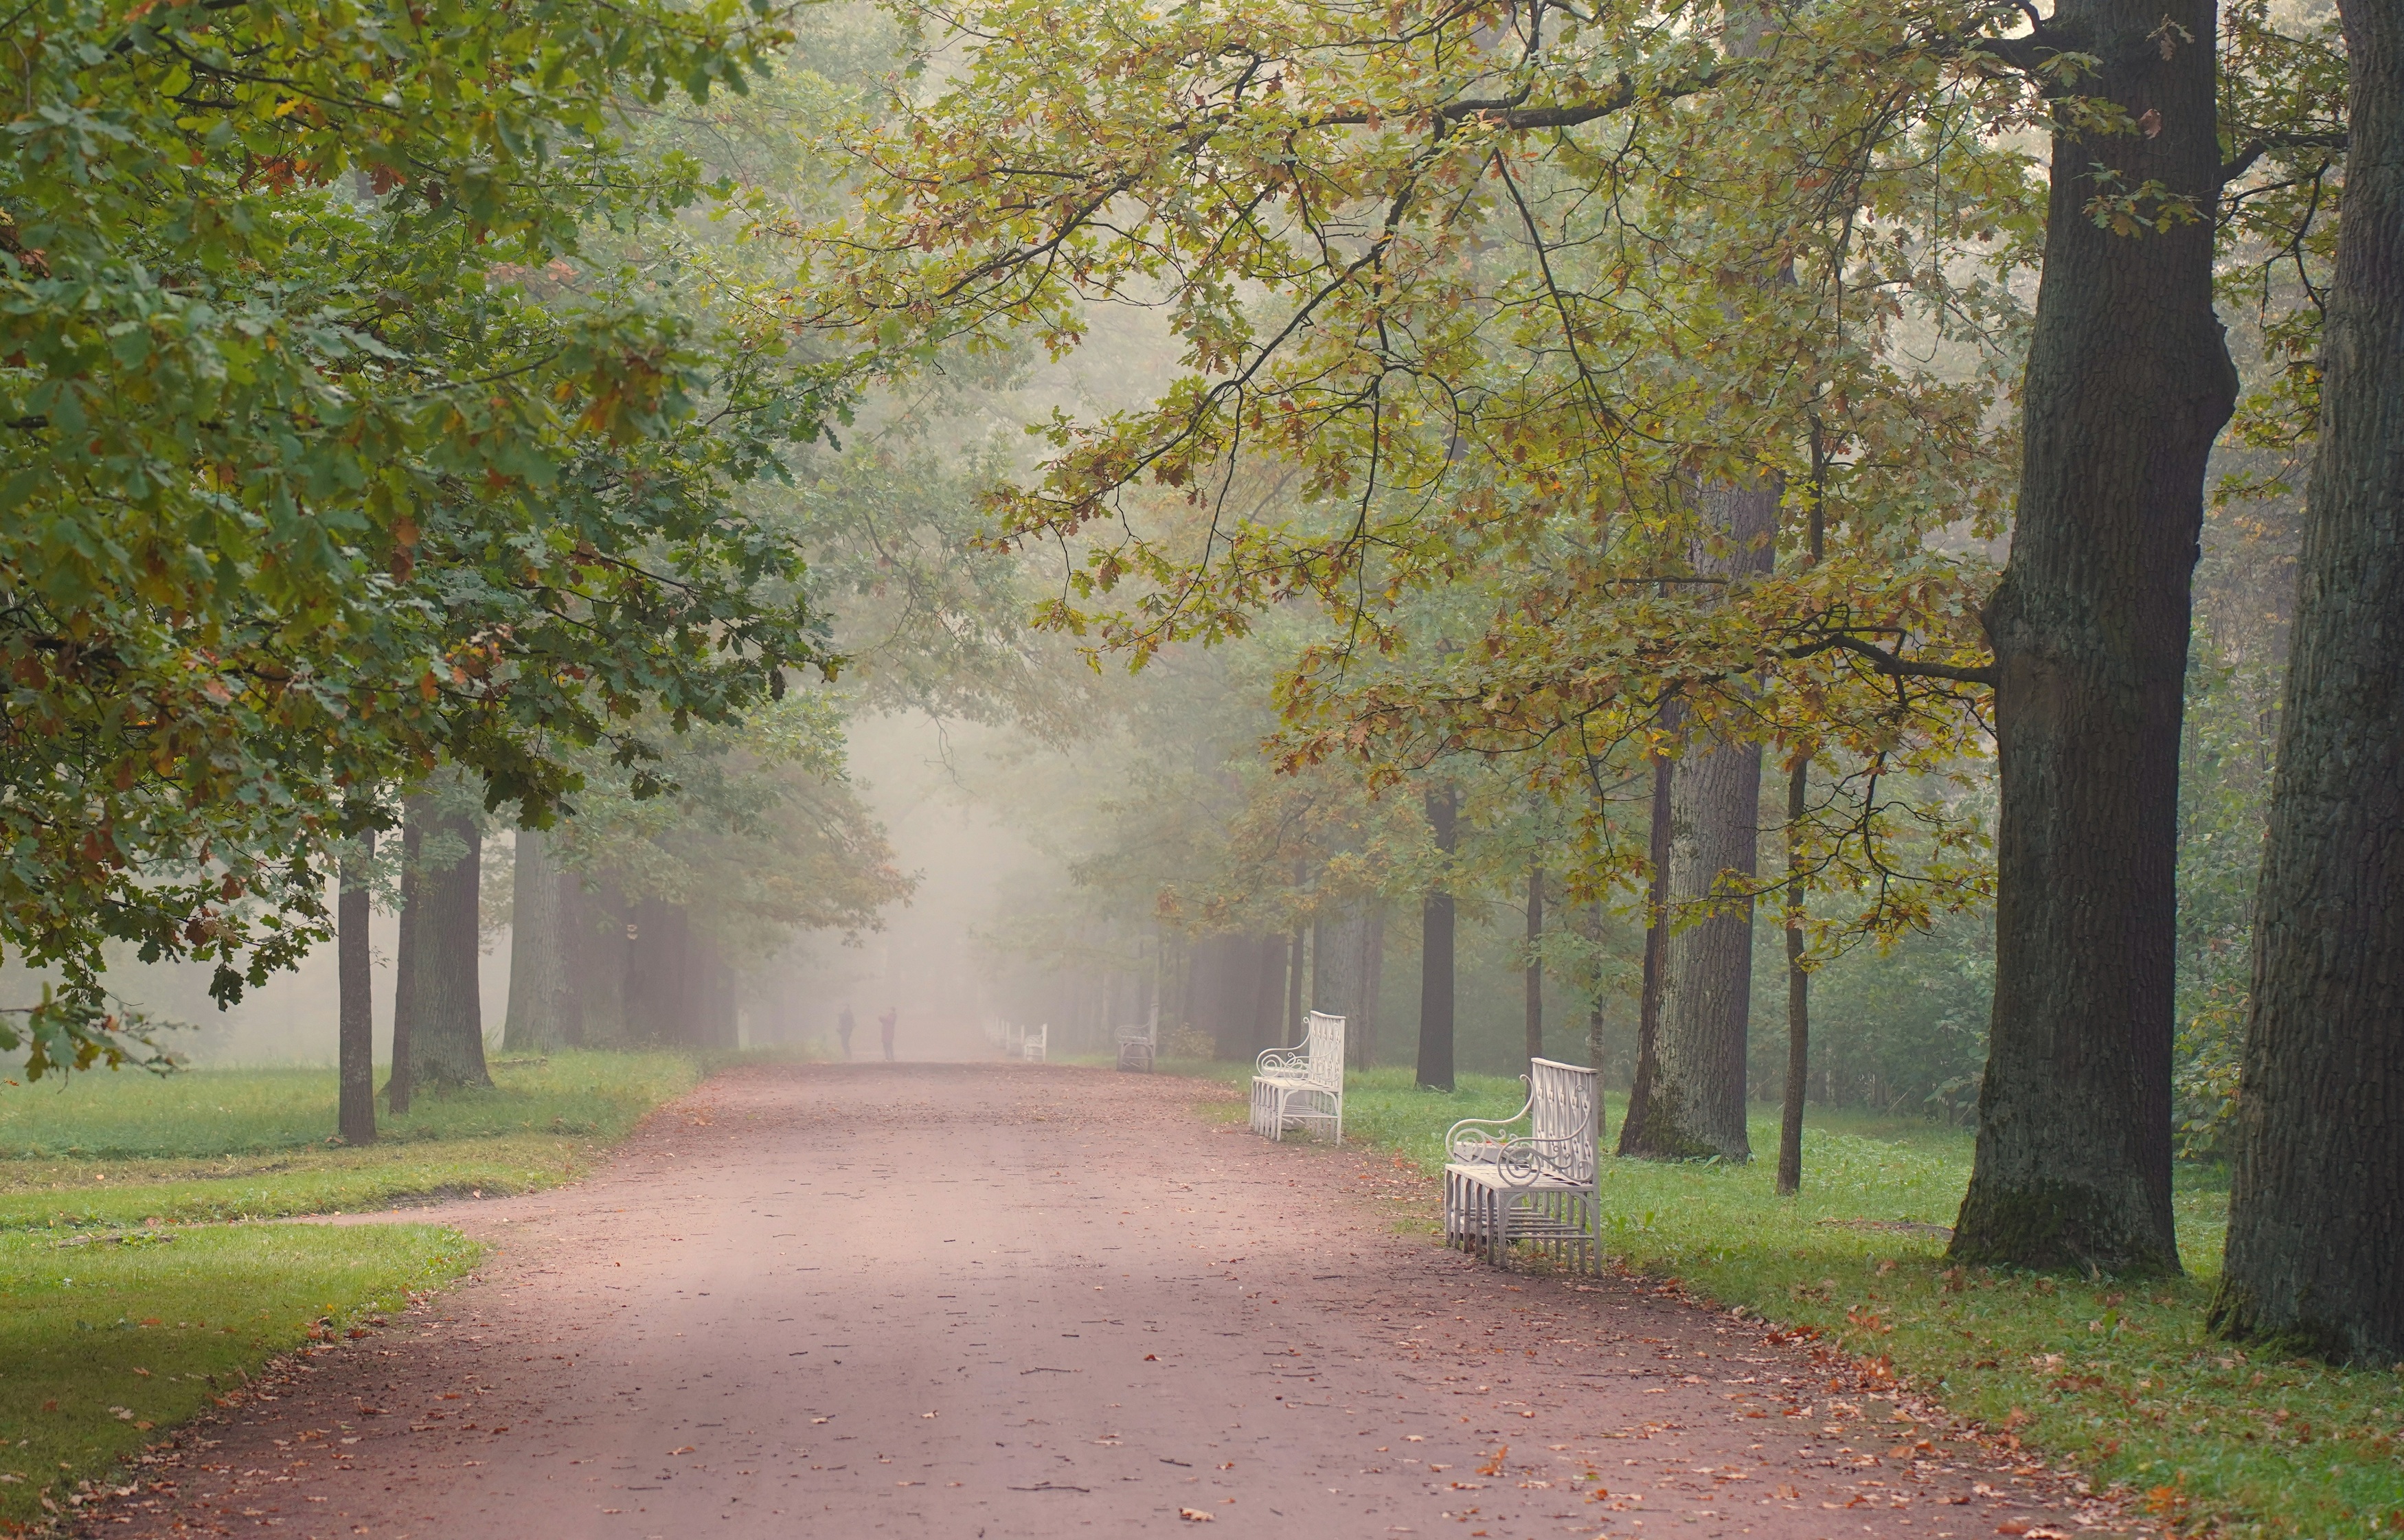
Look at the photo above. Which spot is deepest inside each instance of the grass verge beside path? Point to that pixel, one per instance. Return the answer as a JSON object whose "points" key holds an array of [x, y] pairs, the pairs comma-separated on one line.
{"points": [[211, 1144], [116, 1324], [2116, 1380], [105, 1338]]}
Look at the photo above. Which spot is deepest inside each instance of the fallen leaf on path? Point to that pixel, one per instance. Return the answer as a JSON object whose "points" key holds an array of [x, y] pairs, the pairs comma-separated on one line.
{"points": [[1195, 1516], [681, 1449]]}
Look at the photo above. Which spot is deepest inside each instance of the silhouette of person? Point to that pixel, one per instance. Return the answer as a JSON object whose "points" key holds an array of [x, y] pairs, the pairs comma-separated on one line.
{"points": [[885, 1021], [843, 1026]]}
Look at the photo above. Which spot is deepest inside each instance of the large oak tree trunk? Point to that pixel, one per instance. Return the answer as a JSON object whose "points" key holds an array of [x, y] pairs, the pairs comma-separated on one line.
{"points": [[539, 964], [354, 991], [447, 1048], [1695, 1104], [2128, 383], [1435, 949], [2315, 1252]]}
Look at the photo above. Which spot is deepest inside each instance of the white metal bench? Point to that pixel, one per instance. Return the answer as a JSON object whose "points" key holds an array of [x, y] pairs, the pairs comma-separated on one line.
{"points": [[1139, 1045], [1302, 1085], [1034, 1043], [1539, 1185]]}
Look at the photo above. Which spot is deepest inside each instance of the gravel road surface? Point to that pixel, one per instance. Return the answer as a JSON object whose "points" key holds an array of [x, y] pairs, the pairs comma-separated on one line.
{"points": [[931, 1300]]}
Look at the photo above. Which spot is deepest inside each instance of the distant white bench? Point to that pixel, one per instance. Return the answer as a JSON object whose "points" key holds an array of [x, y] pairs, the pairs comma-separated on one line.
{"points": [[1139, 1045], [1302, 1085], [1539, 1185], [1035, 1043]]}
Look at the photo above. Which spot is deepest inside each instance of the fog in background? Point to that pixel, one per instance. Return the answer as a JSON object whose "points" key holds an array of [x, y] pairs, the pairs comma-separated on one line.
{"points": [[925, 962]]}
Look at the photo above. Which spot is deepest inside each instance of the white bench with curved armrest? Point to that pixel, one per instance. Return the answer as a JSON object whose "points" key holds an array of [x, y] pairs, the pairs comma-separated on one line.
{"points": [[1540, 1186], [1302, 1085]]}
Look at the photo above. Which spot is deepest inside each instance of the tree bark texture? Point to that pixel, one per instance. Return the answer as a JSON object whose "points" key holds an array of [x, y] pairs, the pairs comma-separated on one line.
{"points": [[2128, 383], [2316, 1250], [539, 960], [354, 993], [1656, 935], [1696, 1106], [447, 1047], [1435, 949], [1535, 970], [1341, 977], [1799, 994], [404, 967]]}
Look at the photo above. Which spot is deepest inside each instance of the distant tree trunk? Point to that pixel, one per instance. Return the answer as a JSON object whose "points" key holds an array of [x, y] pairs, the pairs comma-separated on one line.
{"points": [[1340, 976], [2316, 1251], [1268, 1031], [2128, 383], [1597, 1047], [1435, 948], [405, 960], [708, 1019], [1798, 992], [539, 991], [595, 921], [656, 989], [1296, 961], [447, 1048], [354, 971], [1373, 982], [1656, 937], [1535, 970]]}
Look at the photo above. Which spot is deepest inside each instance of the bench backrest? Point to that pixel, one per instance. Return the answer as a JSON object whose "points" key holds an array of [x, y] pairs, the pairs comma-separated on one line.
{"points": [[1326, 1040], [1561, 1113]]}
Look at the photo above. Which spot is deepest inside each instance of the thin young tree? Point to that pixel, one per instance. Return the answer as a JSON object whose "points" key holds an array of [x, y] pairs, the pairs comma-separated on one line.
{"points": [[354, 990], [1436, 925]]}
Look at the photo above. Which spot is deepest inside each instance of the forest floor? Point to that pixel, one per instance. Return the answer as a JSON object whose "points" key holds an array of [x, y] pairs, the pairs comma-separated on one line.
{"points": [[991, 1301]]}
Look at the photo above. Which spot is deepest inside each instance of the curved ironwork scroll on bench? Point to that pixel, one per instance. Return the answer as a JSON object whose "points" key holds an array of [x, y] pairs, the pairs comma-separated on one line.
{"points": [[1302, 1086], [1539, 1187]]}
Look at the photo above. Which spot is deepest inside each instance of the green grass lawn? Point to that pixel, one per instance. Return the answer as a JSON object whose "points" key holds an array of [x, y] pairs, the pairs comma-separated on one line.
{"points": [[2116, 1379], [125, 1147], [105, 1338], [119, 1318]]}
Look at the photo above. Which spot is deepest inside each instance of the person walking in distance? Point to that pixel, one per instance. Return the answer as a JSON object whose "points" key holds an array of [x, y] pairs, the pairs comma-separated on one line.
{"points": [[843, 1026], [885, 1021]]}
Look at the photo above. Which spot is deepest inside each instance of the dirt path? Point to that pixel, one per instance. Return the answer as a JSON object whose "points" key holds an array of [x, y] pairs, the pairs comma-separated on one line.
{"points": [[1002, 1301]]}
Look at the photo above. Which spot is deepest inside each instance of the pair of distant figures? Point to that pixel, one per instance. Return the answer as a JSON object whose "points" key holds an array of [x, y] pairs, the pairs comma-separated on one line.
{"points": [[844, 1025]]}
